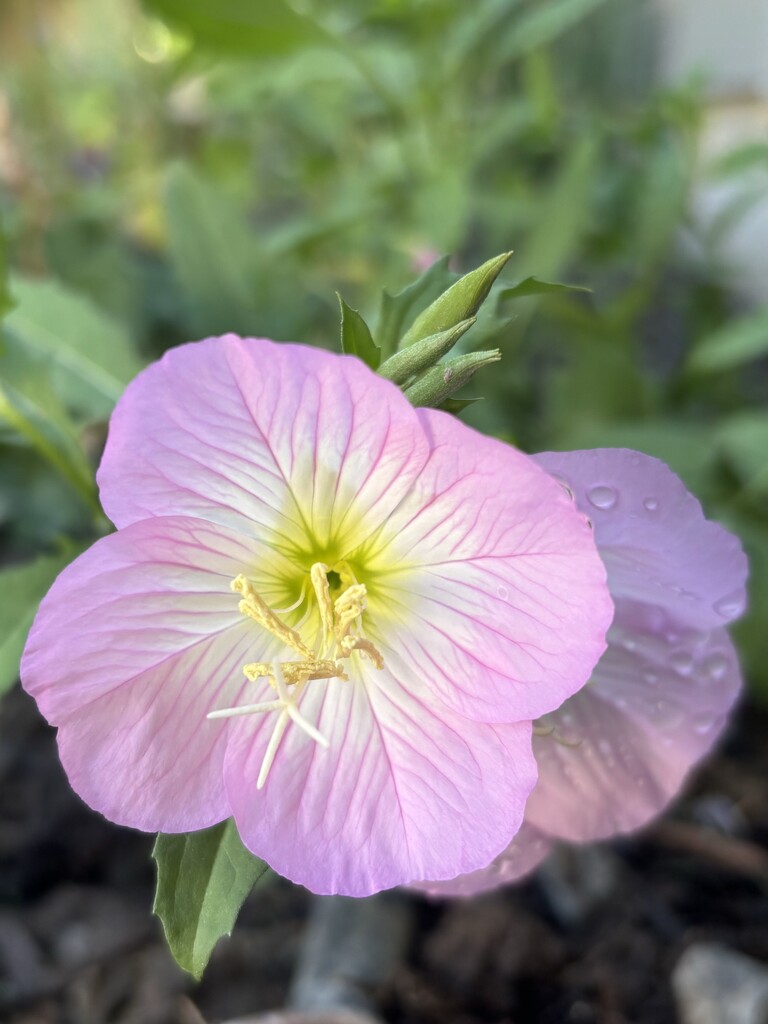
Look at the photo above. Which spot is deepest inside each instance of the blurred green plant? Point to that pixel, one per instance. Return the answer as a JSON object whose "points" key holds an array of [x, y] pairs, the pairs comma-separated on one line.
{"points": [[184, 168]]}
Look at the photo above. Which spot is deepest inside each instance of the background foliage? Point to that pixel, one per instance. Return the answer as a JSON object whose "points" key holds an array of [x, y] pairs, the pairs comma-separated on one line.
{"points": [[188, 167]]}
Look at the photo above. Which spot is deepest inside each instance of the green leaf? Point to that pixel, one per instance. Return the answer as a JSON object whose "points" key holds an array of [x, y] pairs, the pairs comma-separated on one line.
{"points": [[30, 407], [245, 28], [542, 23], [410, 361], [750, 634], [356, 339], [214, 254], [743, 440], [22, 587], [203, 879], [462, 300], [737, 343], [565, 209], [532, 286], [686, 446], [441, 382], [90, 356], [6, 302], [400, 309]]}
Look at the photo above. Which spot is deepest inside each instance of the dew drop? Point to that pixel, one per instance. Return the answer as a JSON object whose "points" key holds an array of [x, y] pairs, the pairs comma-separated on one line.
{"points": [[651, 678], [703, 725], [651, 505], [503, 593], [681, 662], [603, 497], [628, 643], [715, 666], [731, 605]]}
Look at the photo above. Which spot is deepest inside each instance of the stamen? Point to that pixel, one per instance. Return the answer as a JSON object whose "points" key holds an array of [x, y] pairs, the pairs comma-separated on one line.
{"points": [[245, 709], [359, 643], [318, 574], [342, 631], [295, 605], [289, 712], [349, 607], [287, 705], [256, 608], [295, 671]]}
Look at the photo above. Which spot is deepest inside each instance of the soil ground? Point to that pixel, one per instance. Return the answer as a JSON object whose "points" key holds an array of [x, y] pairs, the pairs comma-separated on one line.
{"points": [[592, 938]]}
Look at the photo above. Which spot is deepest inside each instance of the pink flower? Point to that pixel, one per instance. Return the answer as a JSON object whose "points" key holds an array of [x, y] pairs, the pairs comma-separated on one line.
{"points": [[325, 613], [617, 752]]}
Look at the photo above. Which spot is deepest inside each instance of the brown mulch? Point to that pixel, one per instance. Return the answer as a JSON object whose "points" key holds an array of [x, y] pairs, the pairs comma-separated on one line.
{"points": [[593, 938]]}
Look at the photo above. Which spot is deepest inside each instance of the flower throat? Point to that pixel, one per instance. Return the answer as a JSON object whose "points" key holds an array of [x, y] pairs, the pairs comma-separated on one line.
{"points": [[341, 634]]}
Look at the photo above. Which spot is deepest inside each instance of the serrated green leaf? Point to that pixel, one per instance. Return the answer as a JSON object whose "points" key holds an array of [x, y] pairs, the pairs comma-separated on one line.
{"points": [[400, 309], [460, 302], [203, 879], [737, 343], [410, 361], [22, 587], [242, 27], [90, 356], [356, 339], [532, 286]]}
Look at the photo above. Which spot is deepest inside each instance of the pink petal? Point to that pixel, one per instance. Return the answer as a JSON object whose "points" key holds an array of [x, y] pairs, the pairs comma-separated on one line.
{"points": [[491, 580], [134, 644], [652, 534], [622, 747], [276, 440], [407, 789], [526, 851]]}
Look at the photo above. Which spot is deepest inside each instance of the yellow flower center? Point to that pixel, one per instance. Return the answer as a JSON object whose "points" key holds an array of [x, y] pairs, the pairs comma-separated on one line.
{"points": [[340, 635]]}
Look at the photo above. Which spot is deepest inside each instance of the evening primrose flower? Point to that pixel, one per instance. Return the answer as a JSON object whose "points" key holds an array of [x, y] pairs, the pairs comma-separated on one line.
{"points": [[615, 754], [325, 613]]}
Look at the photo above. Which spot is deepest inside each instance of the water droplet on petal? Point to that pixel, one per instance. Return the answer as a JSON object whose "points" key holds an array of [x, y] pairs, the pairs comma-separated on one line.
{"points": [[715, 666], [503, 593], [651, 505], [651, 678], [603, 497], [681, 662], [731, 605], [628, 643], [703, 724]]}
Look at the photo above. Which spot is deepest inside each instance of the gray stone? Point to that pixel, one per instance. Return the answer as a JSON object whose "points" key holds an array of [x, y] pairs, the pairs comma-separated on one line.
{"points": [[714, 985]]}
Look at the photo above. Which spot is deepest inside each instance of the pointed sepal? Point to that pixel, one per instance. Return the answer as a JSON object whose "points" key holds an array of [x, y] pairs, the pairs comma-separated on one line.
{"points": [[441, 382]]}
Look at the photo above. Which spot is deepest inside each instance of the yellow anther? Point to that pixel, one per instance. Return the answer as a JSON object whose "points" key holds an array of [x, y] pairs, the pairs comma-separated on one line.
{"points": [[257, 609], [295, 671], [338, 620], [318, 574], [359, 643], [349, 607]]}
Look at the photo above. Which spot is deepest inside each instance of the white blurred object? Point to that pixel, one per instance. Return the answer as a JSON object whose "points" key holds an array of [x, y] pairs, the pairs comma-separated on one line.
{"points": [[714, 985], [727, 42]]}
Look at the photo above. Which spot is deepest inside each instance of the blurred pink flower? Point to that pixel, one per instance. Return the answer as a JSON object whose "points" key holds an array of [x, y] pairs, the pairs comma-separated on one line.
{"points": [[408, 596], [618, 752]]}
